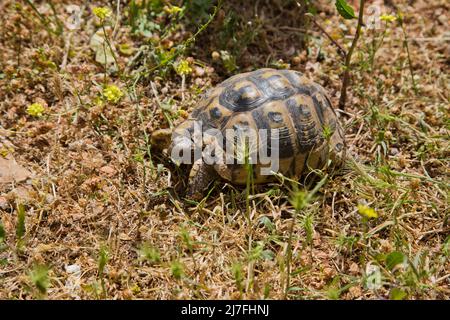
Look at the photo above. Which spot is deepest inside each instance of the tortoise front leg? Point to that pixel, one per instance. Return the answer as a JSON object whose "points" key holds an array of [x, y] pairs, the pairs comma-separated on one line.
{"points": [[200, 177]]}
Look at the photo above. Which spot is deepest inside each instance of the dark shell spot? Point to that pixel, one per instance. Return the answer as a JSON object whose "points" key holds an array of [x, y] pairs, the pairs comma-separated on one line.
{"points": [[339, 147], [243, 99], [275, 117], [215, 113]]}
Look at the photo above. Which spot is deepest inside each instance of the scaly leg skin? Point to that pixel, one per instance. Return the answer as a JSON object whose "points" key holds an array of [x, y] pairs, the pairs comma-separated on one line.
{"points": [[200, 177]]}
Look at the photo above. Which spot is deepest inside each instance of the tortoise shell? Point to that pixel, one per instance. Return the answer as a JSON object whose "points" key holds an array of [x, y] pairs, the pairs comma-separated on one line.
{"points": [[309, 132]]}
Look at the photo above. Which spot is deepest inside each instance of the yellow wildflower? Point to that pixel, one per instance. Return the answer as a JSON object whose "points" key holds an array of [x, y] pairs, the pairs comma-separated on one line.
{"points": [[388, 18], [4, 152], [183, 68], [112, 93], [173, 9], [367, 212], [102, 12], [36, 110]]}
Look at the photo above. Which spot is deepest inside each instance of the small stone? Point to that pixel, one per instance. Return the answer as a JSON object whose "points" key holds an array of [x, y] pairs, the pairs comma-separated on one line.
{"points": [[127, 294], [108, 170], [296, 60], [429, 110], [385, 245], [3, 203], [23, 193], [164, 90], [414, 184], [388, 135], [125, 237], [11, 171], [329, 272], [199, 82], [215, 56], [355, 292], [73, 268], [394, 151], [443, 19], [199, 71], [353, 269], [113, 274]]}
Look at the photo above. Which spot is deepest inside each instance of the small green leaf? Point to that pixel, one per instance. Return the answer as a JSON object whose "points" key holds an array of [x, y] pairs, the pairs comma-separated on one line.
{"points": [[268, 255], [266, 222], [2, 232], [446, 247], [397, 294], [333, 291], [149, 253], [187, 239], [238, 274], [39, 278], [395, 258], [103, 258], [266, 290], [256, 252], [373, 279], [345, 10], [126, 49], [20, 229], [177, 269], [229, 61]]}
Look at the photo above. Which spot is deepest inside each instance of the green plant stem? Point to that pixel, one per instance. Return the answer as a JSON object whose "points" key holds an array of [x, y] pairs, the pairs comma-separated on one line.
{"points": [[348, 58], [308, 199], [341, 50], [405, 44], [376, 46], [43, 19], [60, 27], [112, 51], [289, 255], [135, 99]]}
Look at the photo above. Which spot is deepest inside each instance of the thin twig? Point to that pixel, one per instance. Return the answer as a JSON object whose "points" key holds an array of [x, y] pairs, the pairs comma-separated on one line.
{"points": [[117, 22], [405, 44], [348, 58], [341, 50]]}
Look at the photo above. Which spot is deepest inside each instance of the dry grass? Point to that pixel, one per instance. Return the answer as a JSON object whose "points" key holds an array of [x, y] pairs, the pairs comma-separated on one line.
{"points": [[102, 219]]}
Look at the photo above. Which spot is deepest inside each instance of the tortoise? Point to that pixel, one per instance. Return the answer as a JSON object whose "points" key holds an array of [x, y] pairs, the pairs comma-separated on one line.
{"points": [[285, 101]]}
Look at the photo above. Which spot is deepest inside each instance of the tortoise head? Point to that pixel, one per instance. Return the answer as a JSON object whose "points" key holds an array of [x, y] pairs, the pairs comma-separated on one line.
{"points": [[161, 139], [168, 141]]}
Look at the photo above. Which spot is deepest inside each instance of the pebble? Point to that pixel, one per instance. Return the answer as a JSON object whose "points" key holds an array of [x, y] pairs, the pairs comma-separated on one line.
{"points": [[199, 71], [215, 56], [394, 151], [3, 203]]}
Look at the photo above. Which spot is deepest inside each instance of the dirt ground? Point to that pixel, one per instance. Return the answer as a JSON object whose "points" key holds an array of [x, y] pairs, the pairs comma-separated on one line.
{"points": [[90, 210]]}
